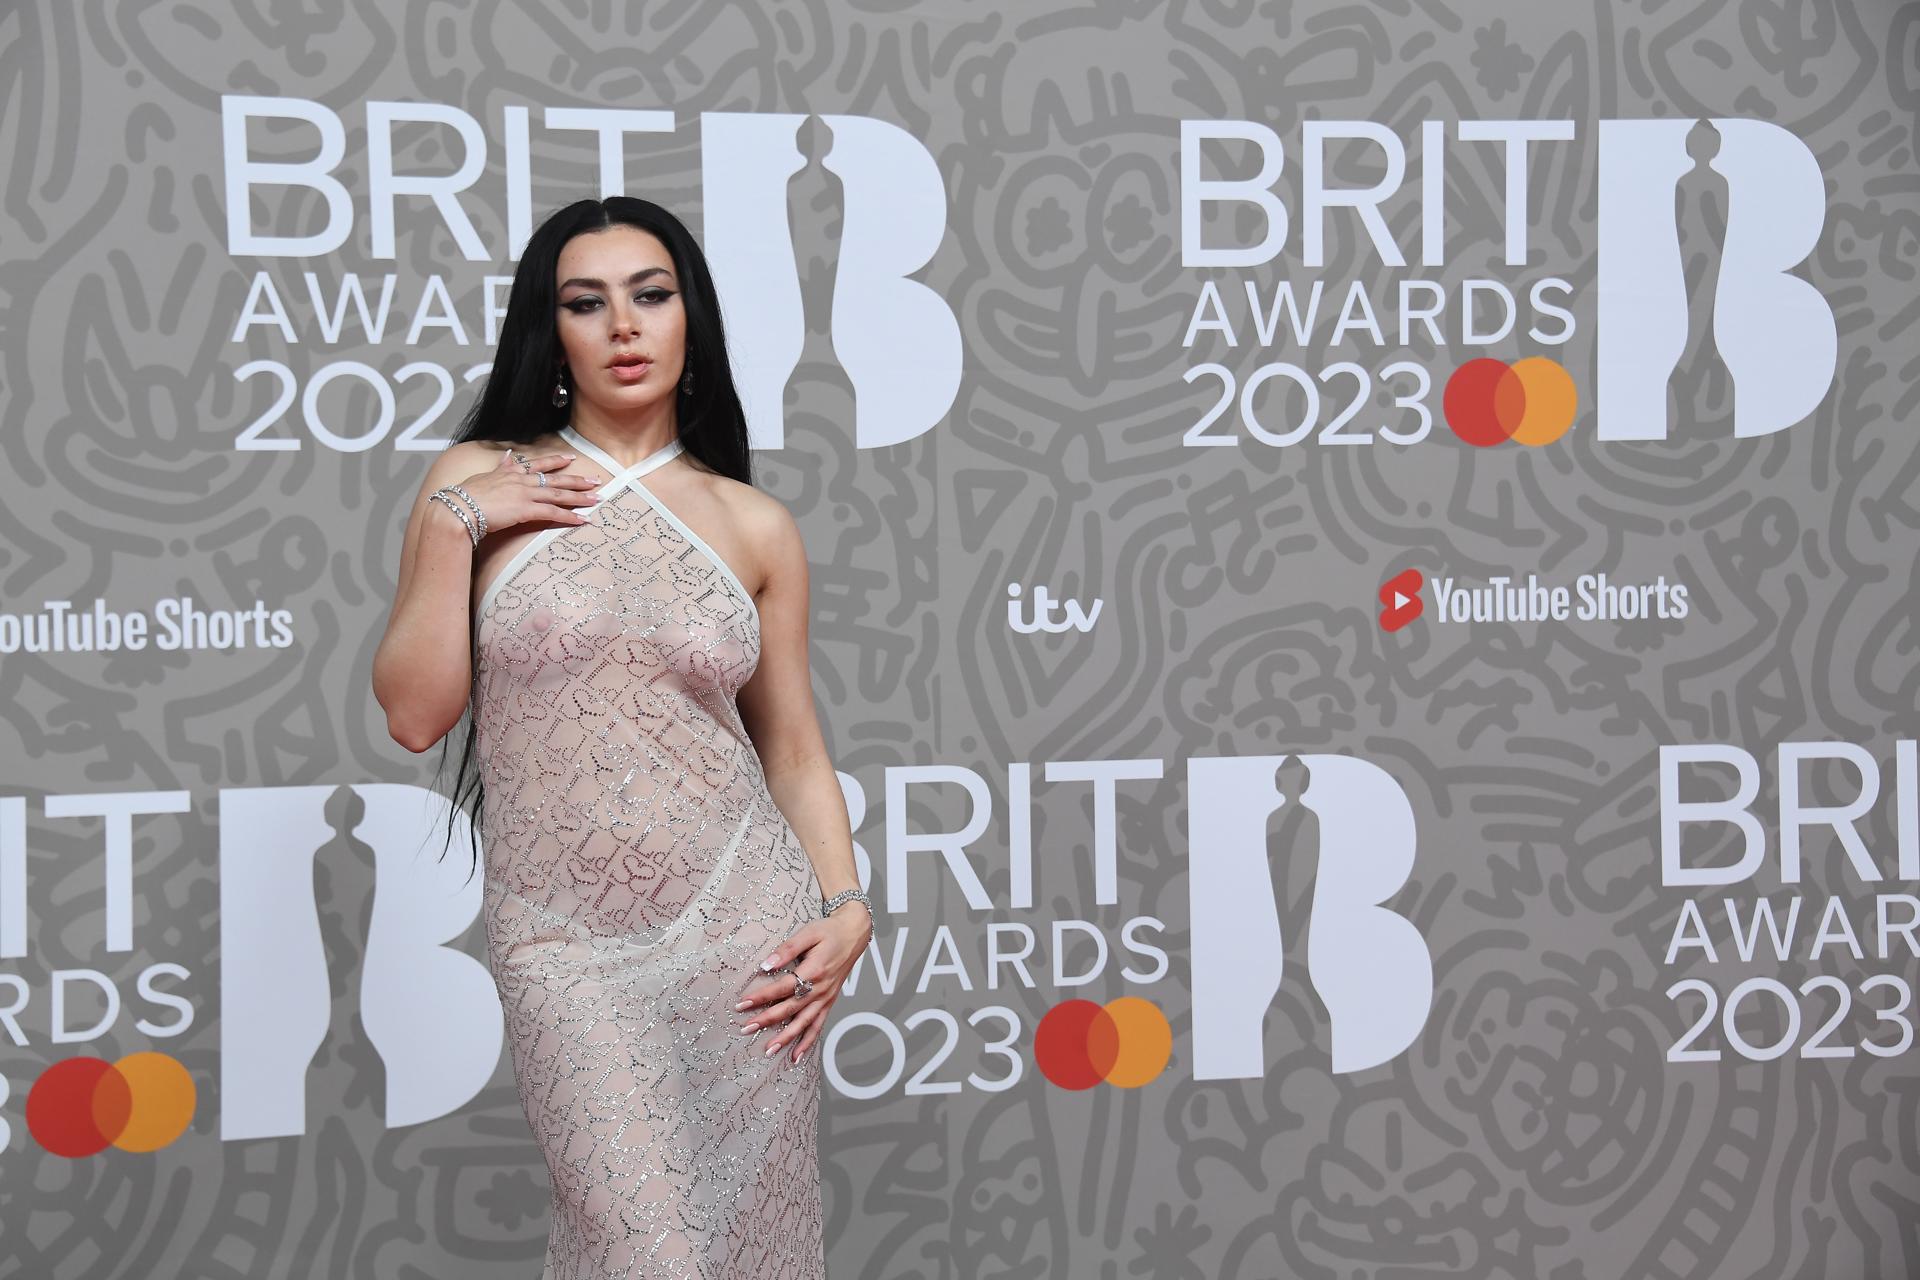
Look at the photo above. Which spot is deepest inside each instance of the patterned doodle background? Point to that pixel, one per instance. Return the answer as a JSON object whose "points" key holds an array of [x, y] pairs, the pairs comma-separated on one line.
{"points": [[1534, 1128]]}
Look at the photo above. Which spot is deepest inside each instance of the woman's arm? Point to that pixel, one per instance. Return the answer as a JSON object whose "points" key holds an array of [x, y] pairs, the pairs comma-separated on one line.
{"points": [[808, 793], [423, 668], [777, 708]]}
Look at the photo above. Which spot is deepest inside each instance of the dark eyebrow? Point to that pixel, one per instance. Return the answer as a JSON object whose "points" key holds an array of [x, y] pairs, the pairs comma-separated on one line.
{"points": [[635, 278]]}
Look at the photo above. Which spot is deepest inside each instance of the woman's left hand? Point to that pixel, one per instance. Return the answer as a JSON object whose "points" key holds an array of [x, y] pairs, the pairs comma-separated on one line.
{"points": [[824, 953]]}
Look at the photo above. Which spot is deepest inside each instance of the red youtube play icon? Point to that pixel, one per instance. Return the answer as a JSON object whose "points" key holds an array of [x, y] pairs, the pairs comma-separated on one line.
{"points": [[1400, 599]]}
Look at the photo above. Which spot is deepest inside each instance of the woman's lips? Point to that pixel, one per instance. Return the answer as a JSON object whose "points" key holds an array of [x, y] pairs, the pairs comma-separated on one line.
{"points": [[629, 372]]}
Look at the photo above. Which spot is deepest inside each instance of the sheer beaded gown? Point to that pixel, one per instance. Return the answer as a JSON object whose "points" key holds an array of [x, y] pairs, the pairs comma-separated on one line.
{"points": [[637, 872]]}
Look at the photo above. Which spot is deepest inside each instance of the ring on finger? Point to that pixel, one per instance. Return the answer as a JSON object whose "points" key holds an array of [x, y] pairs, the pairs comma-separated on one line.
{"points": [[521, 458], [801, 987], [542, 481]]}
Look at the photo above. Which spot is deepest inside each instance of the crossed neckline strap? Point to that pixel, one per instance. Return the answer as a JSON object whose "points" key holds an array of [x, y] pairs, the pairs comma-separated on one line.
{"points": [[621, 475], [623, 478], [629, 478]]}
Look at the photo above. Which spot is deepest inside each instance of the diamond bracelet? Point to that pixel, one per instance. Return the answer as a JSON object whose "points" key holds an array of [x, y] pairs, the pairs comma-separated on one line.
{"points": [[474, 531], [845, 896], [467, 498], [465, 519]]}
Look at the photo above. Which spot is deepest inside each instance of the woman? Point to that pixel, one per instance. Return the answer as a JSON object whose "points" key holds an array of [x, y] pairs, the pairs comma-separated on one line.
{"points": [[590, 568]]}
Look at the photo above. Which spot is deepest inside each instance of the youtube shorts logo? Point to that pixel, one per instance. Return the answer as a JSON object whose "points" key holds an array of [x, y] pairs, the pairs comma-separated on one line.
{"points": [[1400, 599]]}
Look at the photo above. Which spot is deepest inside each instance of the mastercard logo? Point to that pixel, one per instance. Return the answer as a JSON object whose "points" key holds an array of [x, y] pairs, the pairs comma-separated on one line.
{"points": [[1488, 401], [85, 1105], [1125, 1042]]}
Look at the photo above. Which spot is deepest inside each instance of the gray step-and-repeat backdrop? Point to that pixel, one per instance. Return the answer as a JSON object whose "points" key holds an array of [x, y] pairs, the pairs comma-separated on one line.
{"points": [[1363, 566]]}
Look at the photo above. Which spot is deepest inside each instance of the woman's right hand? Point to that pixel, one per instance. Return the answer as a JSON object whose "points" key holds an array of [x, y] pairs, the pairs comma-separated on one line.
{"points": [[511, 496]]}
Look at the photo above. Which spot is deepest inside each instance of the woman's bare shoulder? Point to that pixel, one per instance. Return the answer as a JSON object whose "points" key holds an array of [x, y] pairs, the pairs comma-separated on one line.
{"points": [[746, 504], [464, 458], [548, 442]]}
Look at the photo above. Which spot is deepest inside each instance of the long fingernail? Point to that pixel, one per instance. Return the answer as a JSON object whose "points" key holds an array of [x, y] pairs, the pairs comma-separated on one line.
{"points": [[743, 1004], [767, 964], [749, 1028], [771, 1048]]}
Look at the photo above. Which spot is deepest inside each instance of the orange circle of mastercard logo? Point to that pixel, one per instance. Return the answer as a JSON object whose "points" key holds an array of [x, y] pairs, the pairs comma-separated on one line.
{"points": [[84, 1105], [1489, 401], [1125, 1042]]}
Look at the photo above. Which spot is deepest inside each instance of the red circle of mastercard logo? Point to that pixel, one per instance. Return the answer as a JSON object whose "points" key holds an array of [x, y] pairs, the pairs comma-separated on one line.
{"points": [[1125, 1042], [84, 1105], [1488, 401]]}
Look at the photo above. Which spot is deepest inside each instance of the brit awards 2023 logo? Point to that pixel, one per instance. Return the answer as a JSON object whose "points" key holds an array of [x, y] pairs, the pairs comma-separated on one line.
{"points": [[418, 1017], [341, 930], [1369, 964], [1848, 954], [896, 339], [1773, 331]]}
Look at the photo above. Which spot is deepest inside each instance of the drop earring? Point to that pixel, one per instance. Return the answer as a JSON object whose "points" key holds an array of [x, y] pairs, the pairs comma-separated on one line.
{"points": [[686, 376], [560, 390]]}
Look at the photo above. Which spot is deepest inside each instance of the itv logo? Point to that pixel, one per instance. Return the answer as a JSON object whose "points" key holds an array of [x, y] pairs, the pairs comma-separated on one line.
{"points": [[1040, 612]]}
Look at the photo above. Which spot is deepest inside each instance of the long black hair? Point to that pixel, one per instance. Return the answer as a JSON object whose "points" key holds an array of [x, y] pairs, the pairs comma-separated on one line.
{"points": [[515, 406]]}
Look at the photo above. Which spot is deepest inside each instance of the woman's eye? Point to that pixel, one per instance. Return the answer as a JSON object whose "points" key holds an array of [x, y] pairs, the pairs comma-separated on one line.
{"points": [[582, 304], [652, 295]]}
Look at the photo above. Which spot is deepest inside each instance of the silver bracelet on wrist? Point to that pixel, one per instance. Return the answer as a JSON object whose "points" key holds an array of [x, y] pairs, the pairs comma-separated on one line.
{"points": [[845, 896], [478, 515], [440, 495]]}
